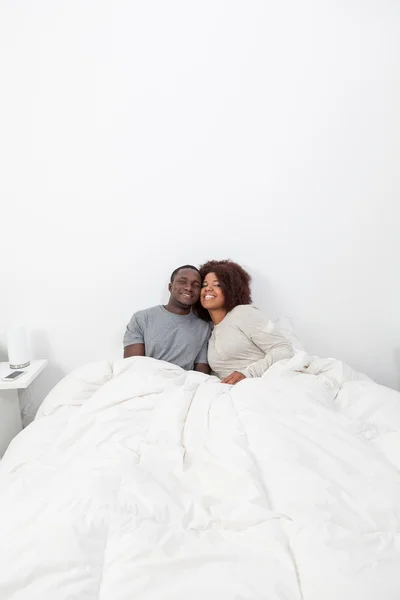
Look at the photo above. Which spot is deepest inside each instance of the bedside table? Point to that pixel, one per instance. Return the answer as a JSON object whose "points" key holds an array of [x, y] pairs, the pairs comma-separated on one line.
{"points": [[10, 415]]}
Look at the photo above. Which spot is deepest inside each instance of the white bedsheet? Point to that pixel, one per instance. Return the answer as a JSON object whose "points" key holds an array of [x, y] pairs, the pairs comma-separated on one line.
{"points": [[139, 480]]}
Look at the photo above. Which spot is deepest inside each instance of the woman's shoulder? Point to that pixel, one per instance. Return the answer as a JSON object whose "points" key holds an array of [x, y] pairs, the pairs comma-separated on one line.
{"points": [[249, 318], [245, 311]]}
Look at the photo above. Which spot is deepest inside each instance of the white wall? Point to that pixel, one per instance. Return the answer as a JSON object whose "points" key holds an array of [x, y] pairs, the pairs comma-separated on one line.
{"points": [[139, 135]]}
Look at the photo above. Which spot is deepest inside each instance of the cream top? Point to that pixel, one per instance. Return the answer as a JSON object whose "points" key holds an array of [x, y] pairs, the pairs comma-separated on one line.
{"points": [[247, 342]]}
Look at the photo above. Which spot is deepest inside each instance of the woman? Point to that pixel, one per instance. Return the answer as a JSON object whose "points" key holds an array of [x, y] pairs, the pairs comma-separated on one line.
{"points": [[243, 343]]}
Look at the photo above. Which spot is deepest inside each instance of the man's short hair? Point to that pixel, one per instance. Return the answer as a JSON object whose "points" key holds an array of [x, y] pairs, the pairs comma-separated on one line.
{"points": [[175, 273]]}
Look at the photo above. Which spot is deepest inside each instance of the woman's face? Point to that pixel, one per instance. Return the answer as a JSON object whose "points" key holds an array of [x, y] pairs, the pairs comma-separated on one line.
{"points": [[211, 295]]}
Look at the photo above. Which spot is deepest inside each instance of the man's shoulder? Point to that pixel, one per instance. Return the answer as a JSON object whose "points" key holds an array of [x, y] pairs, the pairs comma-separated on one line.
{"points": [[201, 324], [147, 312]]}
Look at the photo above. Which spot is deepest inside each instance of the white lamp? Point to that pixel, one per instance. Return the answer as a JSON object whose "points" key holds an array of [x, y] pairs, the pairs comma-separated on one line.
{"points": [[17, 346]]}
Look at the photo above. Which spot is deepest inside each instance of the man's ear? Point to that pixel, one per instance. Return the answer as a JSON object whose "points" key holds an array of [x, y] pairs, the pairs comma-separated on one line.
{"points": [[170, 287]]}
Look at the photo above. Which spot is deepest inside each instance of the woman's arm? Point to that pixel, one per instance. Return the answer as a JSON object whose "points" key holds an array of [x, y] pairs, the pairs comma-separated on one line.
{"points": [[264, 335]]}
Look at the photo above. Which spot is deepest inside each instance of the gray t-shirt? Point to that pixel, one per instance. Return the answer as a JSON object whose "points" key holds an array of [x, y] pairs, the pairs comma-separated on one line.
{"points": [[179, 339]]}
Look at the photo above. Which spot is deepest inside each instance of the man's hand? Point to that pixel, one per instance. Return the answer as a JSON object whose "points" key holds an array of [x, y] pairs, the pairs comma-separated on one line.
{"points": [[234, 378]]}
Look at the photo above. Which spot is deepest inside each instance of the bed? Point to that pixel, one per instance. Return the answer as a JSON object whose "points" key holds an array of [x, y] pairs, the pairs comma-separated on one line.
{"points": [[140, 480]]}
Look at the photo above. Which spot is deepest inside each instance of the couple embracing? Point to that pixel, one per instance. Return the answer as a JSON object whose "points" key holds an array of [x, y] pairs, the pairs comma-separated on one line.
{"points": [[208, 323]]}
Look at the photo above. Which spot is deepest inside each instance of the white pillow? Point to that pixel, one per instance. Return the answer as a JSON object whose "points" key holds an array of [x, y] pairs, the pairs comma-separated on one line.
{"points": [[286, 327]]}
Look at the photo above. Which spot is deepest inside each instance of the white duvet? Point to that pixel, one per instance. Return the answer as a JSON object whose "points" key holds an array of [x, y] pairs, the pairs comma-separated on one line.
{"points": [[138, 480]]}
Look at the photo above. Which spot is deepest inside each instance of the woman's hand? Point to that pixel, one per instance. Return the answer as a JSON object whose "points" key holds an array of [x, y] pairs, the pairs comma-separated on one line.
{"points": [[233, 378]]}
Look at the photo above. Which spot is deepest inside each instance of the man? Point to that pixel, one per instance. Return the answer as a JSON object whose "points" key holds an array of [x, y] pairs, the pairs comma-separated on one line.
{"points": [[173, 332]]}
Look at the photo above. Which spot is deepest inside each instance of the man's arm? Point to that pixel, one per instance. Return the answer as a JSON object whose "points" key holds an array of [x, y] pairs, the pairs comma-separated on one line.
{"points": [[200, 363], [201, 367], [134, 350], [134, 337]]}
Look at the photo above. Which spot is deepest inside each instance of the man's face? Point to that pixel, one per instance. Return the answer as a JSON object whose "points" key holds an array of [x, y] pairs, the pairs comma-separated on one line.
{"points": [[185, 288]]}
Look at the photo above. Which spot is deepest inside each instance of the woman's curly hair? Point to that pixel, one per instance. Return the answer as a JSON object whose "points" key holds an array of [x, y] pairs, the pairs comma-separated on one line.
{"points": [[234, 281]]}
